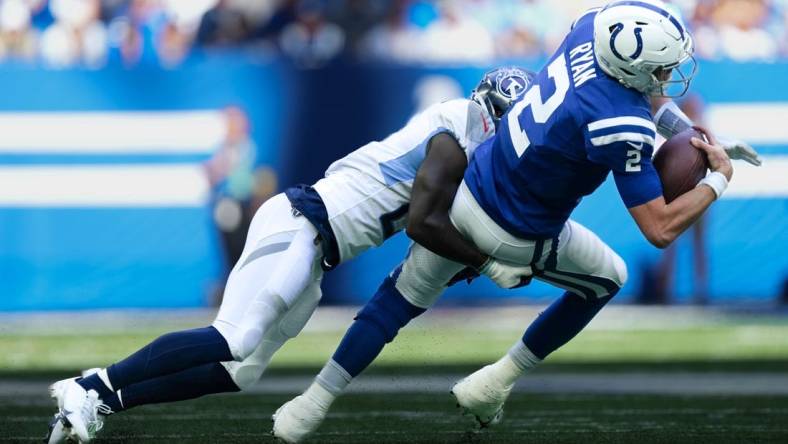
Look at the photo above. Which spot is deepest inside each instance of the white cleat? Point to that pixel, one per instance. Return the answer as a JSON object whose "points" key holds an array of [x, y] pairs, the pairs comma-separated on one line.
{"points": [[58, 432], [482, 395], [298, 418], [79, 412]]}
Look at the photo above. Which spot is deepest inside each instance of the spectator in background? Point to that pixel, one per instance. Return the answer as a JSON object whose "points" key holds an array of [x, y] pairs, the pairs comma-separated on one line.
{"points": [[69, 33], [17, 39], [77, 36], [456, 37], [312, 41], [231, 174], [223, 25], [357, 17], [737, 30], [664, 275], [394, 39]]}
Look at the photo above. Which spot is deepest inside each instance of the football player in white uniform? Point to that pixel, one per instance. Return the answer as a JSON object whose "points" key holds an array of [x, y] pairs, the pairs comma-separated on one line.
{"points": [[275, 286]]}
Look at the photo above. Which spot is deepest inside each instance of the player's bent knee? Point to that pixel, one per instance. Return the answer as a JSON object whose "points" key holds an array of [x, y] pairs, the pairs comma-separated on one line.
{"points": [[263, 313], [619, 272], [246, 376]]}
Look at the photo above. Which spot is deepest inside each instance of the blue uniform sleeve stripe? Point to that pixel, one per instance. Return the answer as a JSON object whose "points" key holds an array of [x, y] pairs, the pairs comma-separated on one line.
{"points": [[622, 129], [623, 120], [635, 138]]}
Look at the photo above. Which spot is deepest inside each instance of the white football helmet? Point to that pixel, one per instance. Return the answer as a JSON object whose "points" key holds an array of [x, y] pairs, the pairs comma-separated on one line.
{"points": [[642, 44]]}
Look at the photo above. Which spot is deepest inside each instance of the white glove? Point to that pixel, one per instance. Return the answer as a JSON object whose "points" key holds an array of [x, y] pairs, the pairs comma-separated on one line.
{"points": [[506, 275], [738, 149]]}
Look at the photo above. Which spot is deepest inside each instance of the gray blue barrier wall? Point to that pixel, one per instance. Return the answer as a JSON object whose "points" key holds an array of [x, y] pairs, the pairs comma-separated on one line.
{"points": [[153, 244]]}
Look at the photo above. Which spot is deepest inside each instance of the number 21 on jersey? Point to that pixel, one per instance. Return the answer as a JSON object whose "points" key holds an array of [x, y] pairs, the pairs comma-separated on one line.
{"points": [[540, 110]]}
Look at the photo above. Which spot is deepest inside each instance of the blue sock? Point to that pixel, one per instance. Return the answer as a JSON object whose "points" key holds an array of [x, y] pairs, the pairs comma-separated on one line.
{"points": [[561, 322], [375, 325], [191, 383], [167, 354]]}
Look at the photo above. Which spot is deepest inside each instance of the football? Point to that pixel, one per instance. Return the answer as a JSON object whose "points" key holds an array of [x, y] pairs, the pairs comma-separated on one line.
{"points": [[680, 165]]}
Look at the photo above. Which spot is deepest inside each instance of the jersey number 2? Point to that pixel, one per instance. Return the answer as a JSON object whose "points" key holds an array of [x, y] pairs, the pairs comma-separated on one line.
{"points": [[541, 111]]}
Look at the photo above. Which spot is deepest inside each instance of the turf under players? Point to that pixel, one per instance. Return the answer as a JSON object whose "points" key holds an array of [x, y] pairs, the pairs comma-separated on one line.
{"points": [[275, 286], [589, 112]]}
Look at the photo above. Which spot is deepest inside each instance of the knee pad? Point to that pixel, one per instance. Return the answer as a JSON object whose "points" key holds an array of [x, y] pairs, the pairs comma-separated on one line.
{"points": [[243, 375], [262, 315], [246, 373], [389, 310], [620, 271], [423, 277]]}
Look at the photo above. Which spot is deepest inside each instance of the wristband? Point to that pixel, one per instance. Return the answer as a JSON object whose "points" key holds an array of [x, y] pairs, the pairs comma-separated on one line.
{"points": [[716, 181], [671, 120]]}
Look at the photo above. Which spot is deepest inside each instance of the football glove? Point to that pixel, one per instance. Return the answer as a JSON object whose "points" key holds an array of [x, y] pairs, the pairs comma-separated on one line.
{"points": [[506, 275], [738, 149]]}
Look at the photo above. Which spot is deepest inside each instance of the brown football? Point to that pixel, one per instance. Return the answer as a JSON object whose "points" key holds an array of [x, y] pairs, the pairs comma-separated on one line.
{"points": [[680, 165]]}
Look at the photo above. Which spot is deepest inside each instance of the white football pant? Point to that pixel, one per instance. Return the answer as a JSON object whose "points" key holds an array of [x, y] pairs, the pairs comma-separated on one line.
{"points": [[272, 291], [579, 262]]}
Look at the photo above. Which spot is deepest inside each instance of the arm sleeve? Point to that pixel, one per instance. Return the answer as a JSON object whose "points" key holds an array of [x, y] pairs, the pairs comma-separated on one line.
{"points": [[625, 145]]}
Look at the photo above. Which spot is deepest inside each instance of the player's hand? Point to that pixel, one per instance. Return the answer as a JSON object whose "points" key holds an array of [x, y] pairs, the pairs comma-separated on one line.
{"points": [[506, 275], [738, 149], [715, 153]]}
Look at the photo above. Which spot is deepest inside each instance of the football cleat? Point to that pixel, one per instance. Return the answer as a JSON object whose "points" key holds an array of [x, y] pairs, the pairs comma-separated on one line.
{"points": [[80, 412], [297, 419], [482, 395], [59, 431]]}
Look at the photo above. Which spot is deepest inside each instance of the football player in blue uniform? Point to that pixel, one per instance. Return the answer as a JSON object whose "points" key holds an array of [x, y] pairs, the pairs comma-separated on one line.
{"points": [[587, 114]]}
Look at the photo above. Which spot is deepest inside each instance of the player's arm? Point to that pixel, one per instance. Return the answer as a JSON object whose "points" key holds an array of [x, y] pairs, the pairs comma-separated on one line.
{"points": [[429, 224], [434, 188], [671, 120], [661, 223]]}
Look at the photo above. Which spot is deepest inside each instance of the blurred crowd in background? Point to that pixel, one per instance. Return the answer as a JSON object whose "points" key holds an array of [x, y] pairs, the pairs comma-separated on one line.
{"points": [[94, 33]]}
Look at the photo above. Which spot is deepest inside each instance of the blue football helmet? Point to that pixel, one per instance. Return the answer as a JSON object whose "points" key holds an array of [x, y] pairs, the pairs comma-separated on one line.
{"points": [[500, 88]]}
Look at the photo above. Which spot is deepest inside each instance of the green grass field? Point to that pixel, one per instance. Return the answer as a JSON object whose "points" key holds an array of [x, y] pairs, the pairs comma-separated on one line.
{"points": [[740, 347], [420, 418]]}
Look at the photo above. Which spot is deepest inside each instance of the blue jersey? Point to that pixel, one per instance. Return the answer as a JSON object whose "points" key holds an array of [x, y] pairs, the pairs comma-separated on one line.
{"points": [[559, 142]]}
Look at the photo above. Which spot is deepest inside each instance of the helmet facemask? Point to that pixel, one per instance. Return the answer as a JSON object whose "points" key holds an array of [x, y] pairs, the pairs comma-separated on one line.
{"points": [[680, 74], [644, 46]]}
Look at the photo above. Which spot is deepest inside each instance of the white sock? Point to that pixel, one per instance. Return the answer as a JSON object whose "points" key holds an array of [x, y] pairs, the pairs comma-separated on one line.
{"points": [[320, 395], [102, 374], [333, 378], [515, 363]]}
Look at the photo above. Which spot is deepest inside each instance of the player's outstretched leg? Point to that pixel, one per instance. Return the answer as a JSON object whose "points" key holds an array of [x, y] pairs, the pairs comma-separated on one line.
{"points": [[483, 393], [592, 273], [375, 325], [80, 400], [280, 260]]}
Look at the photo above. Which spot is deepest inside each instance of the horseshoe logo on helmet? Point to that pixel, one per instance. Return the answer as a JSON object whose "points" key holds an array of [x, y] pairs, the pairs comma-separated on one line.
{"points": [[617, 28]]}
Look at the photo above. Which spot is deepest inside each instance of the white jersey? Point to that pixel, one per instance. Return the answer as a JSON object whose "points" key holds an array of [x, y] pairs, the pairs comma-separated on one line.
{"points": [[367, 192]]}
